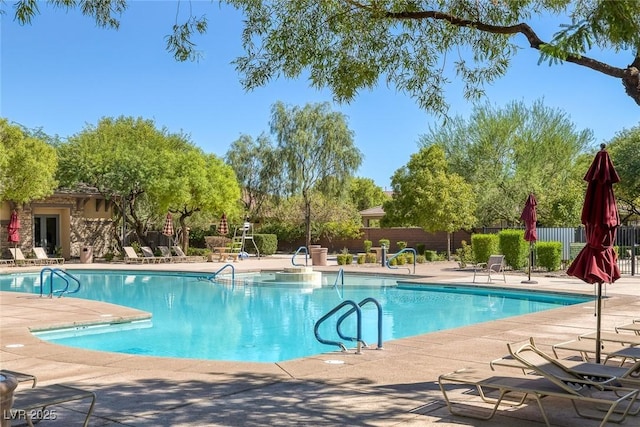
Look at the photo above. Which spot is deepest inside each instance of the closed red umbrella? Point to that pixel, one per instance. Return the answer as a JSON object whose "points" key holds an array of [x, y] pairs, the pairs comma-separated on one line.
{"points": [[597, 261], [14, 228], [530, 217], [223, 228], [167, 230]]}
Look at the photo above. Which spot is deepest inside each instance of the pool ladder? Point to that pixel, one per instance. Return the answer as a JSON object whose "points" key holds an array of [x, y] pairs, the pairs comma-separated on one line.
{"points": [[355, 308], [62, 274]]}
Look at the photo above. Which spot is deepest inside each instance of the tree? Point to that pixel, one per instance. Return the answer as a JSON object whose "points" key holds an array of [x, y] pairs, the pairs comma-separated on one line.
{"points": [[365, 194], [145, 171], [426, 194], [625, 154], [350, 45], [27, 166], [506, 153], [257, 167], [317, 151]]}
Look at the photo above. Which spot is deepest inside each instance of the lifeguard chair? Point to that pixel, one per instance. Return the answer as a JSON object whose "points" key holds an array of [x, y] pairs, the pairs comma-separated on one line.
{"points": [[240, 237]]}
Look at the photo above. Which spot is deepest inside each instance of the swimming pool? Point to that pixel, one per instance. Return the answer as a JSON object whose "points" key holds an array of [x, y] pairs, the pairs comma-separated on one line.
{"points": [[262, 321]]}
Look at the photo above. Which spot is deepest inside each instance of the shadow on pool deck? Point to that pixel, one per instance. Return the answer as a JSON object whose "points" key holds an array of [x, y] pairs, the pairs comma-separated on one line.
{"points": [[393, 386]]}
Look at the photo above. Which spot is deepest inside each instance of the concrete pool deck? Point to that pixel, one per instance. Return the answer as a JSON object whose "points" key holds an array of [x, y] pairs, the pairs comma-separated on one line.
{"points": [[396, 386]]}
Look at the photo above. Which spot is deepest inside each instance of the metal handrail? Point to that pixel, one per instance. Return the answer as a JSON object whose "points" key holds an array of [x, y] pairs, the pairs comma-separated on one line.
{"points": [[64, 275], [355, 308], [340, 275], [233, 273], [306, 257], [388, 262], [348, 313]]}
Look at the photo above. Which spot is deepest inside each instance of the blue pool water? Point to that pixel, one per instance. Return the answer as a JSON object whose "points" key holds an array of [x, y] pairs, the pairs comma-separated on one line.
{"points": [[263, 321]]}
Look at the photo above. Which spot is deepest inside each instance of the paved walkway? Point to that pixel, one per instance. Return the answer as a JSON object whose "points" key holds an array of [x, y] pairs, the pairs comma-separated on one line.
{"points": [[396, 386]]}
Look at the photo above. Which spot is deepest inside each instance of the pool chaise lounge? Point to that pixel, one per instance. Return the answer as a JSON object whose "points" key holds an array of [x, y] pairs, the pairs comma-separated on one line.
{"points": [[551, 379], [30, 404]]}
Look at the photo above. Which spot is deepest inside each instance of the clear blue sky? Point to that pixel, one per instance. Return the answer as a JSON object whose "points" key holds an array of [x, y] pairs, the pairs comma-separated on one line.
{"points": [[62, 73]]}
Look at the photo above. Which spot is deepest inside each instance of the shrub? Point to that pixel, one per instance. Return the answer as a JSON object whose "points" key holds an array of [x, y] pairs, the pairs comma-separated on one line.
{"points": [[367, 244], [385, 242], [430, 255], [408, 256], [484, 245], [370, 257], [420, 259], [362, 258], [514, 248], [420, 247], [464, 254], [549, 255], [401, 245], [342, 259], [267, 244]]}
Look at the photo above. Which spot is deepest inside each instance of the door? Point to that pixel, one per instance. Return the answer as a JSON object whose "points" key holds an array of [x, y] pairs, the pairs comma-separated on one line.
{"points": [[46, 232]]}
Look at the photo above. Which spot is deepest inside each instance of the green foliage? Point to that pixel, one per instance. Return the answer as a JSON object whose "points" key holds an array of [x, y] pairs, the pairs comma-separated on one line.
{"points": [[484, 245], [549, 255], [365, 194], [317, 152], [465, 254], [427, 195], [267, 244], [505, 153], [408, 256], [401, 245], [197, 235], [370, 258], [420, 247], [574, 249], [27, 166], [345, 259], [385, 242], [362, 258], [420, 259], [430, 255], [514, 248], [624, 149], [367, 244]]}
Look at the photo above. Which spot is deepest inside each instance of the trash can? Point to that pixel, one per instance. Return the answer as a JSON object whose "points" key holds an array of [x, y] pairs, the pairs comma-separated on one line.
{"points": [[86, 255], [319, 256], [8, 384]]}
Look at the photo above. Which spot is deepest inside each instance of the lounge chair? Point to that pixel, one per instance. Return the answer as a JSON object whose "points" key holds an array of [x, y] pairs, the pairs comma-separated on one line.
{"points": [[148, 254], [34, 401], [613, 337], [495, 265], [592, 389], [628, 376], [42, 255], [166, 252], [19, 259], [630, 327], [587, 347], [189, 258], [131, 257]]}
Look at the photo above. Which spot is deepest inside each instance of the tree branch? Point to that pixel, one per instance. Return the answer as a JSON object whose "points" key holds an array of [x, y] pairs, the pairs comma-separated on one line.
{"points": [[630, 76]]}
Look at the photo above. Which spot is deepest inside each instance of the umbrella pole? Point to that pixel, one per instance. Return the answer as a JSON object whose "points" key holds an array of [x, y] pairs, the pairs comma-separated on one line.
{"points": [[598, 321], [530, 262]]}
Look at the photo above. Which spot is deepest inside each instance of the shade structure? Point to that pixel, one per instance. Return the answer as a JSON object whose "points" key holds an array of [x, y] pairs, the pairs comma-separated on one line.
{"points": [[530, 217], [13, 228], [167, 230], [597, 261], [223, 228]]}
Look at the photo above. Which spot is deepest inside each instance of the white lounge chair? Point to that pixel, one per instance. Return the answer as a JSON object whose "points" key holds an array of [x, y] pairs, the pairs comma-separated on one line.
{"points": [[131, 257], [19, 259], [42, 255], [189, 258], [148, 254], [495, 265]]}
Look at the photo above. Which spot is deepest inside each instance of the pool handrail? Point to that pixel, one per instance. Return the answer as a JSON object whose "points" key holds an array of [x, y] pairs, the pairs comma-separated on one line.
{"points": [[355, 308], [64, 275], [348, 313], [306, 257], [340, 275], [233, 273], [388, 262]]}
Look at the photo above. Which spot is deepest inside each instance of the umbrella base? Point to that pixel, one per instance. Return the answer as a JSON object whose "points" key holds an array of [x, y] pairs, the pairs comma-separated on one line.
{"points": [[532, 282]]}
